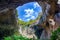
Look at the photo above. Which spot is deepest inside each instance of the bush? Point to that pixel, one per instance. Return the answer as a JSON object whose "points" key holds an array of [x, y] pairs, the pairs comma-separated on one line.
{"points": [[16, 37], [56, 34]]}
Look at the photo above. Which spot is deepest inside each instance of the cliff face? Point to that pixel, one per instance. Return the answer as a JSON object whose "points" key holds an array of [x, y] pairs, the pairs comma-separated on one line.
{"points": [[8, 22], [7, 16]]}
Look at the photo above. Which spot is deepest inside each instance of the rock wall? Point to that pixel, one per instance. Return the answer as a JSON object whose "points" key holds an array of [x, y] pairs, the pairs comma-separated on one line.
{"points": [[7, 16], [8, 22]]}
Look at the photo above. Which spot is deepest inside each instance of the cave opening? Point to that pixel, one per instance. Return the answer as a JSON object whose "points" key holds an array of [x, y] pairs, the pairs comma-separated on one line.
{"points": [[29, 11]]}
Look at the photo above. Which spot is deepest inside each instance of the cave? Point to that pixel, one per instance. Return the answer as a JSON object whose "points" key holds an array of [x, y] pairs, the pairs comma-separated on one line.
{"points": [[10, 6]]}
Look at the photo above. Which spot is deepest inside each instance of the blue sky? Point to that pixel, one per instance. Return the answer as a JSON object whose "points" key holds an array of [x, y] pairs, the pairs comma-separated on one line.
{"points": [[29, 11]]}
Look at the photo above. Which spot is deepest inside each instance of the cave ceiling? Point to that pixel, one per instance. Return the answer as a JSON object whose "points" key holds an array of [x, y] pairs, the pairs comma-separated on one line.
{"points": [[15, 3]]}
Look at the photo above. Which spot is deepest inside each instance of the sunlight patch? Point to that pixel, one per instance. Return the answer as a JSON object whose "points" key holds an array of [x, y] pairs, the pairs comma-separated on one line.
{"points": [[36, 5], [58, 2]]}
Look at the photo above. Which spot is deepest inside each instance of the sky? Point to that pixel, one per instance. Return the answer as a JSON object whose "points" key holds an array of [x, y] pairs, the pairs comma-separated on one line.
{"points": [[29, 11]]}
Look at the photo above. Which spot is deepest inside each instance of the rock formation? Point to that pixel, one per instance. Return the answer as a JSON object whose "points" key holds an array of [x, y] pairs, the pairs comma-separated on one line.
{"points": [[8, 22]]}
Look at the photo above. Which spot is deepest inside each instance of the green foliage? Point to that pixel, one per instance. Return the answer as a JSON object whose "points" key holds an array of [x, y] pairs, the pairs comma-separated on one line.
{"points": [[20, 22], [7, 38], [16, 37], [55, 35]]}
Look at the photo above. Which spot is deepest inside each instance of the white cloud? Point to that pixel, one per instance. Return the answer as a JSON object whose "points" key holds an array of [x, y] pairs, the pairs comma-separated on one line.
{"points": [[29, 12], [36, 5], [28, 19], [33, 17], [28, 15]]}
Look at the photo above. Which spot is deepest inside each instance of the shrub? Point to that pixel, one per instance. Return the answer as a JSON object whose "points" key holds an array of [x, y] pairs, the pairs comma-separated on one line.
{"points": [[16, 37], [56, 34]]}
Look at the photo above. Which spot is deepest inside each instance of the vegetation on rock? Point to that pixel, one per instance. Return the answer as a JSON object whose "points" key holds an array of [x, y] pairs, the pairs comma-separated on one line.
{"points": [[22, 23], [56, 34], [16, 37]]}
